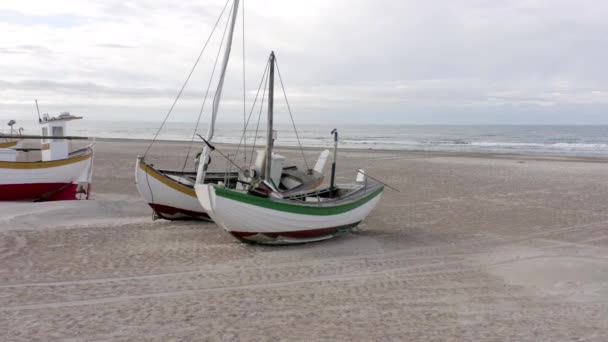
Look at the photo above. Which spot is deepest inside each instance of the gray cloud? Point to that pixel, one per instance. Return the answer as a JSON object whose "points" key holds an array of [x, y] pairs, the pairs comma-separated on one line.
{"points": [[393, 61], [93, 89], [25, 49], [115, 46]]}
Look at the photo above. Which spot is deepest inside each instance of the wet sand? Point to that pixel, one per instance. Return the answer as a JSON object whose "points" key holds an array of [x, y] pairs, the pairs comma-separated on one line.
{"points": [[474, 247]]}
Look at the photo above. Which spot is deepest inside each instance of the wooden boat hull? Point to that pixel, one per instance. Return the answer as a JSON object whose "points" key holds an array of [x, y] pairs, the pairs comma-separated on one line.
{"points": [[170, 200], [65, 179], [262, 220]]}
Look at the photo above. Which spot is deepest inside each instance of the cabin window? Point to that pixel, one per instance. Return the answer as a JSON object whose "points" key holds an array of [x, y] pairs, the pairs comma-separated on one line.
{"points": [[57, 131], [45, 132]]}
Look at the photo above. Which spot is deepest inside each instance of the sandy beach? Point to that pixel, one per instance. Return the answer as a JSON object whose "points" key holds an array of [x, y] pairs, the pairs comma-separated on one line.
{"points": [[475, 247]]}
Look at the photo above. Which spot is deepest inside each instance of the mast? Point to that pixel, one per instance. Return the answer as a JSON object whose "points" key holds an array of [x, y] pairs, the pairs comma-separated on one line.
{"points": [[202, 168], [270, 135]]}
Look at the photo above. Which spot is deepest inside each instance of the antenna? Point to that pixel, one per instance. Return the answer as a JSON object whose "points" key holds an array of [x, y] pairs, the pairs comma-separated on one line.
{"points": [[332, 184], [38, 110]]}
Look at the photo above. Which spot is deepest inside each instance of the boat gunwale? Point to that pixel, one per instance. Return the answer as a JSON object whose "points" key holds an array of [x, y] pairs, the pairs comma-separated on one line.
{"points": [[74, 157], [326, 208], [8, 144], [160, 175]]}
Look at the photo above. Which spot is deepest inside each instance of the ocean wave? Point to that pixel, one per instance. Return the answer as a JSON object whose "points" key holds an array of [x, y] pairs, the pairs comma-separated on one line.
{"points": [[506, 144], [448, 142], [582, 146], [561, 145]]}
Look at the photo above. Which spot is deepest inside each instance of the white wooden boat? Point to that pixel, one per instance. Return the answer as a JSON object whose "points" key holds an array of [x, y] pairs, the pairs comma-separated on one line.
{"points": [[48, 173], [274, 220], [63, 179], [257, 211], [171, 194]]}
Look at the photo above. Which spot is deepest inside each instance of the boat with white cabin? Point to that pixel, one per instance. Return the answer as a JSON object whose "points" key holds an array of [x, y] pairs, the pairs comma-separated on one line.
{"points": [[49, 171]]}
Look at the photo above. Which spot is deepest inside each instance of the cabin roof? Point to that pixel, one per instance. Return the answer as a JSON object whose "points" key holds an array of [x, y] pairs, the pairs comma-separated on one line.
{"points": [[61, 117]]}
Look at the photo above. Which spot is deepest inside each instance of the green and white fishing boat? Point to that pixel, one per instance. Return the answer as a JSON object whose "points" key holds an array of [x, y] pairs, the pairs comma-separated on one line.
{"points": [[259, 209]]}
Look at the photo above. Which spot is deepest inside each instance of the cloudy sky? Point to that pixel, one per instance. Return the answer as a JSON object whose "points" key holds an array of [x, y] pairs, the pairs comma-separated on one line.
{"points": [[377, 61]]}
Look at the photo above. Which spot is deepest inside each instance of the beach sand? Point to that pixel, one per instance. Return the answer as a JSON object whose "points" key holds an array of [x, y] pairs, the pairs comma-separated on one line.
{"points": [[474, 247]]}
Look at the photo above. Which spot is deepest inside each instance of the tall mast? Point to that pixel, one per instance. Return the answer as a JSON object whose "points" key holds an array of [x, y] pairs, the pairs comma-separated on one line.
{"points": [[204, 161], [270, 137]]}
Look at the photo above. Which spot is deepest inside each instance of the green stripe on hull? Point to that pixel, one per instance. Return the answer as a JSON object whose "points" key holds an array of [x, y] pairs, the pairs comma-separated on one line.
{"points": [[294, 208]]}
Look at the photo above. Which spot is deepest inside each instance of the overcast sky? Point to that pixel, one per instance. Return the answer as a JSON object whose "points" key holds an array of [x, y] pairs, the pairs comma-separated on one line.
{"points": [[376, 61]]}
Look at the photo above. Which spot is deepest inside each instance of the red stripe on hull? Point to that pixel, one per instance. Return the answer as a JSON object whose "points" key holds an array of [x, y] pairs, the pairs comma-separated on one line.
{"points": [[293, 235], [38, 192], [67, 193], [171, 213]]}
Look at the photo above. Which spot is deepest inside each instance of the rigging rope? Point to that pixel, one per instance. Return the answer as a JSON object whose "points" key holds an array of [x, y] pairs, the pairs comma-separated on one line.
{"points": [[259, 116], [290, 114], [244, 93], [200, 114], [179, 94], [251, 112]]}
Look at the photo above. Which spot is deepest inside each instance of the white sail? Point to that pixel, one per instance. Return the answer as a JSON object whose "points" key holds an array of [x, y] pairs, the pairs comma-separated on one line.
{"points": [[202, 169]]}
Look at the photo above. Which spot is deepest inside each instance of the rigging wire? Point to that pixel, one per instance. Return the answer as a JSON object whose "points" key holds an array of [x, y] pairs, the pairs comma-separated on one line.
{"points": [[200, 114], [244, 94], [179, 94], [290, 114], [177, 98], [252, 108], [255, 138]]}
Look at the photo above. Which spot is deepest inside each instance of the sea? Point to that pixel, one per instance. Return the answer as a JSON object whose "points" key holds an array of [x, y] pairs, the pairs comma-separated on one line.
{"points": [[521, 139]]}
